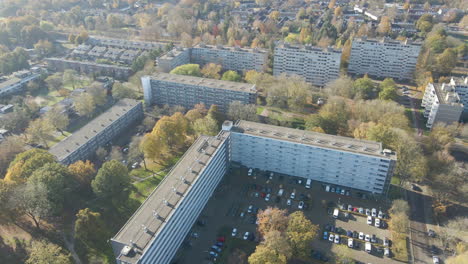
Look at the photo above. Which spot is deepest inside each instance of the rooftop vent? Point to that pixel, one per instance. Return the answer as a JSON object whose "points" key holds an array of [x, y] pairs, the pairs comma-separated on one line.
{"points": [[126, 250]]}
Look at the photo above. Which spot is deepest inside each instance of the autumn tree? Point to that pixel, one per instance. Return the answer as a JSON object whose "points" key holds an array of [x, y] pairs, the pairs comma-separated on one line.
{"points": [[83, 172], [206, 126], [388, 89], [39, 132], [70, 77], [98, 92], [343, 86], [331, 4], [26, 163], [216, 114], [42, 252], [135, 154], [277, 241], [90, 228], [240, 111], [112, 182], [385, 26], [58, 119], [10, 146], [363, 87], [31, 200], [54, 81], [211, 70], [300, 233], [232, 76], [265, 254], [343, 255], [272, 219], [85, 105], [446, 61], [188, 69], [123, 90], [425, 23]]}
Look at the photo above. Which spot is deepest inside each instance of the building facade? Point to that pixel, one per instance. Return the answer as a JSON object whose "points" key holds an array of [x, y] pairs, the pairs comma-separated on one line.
{"points": [[230, 58], [16, 83], [85, 67], [384, 58], [441, 104], [316, 65], [187, 91], [461, 88], [158, 228], [82, 144]]}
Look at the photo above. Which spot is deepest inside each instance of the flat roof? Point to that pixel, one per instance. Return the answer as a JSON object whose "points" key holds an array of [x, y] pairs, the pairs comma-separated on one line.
{"points": [[71, 143], [90, 63], [161, 204], [340, 143], [388, 40], [229, 48], [285, 45], [446, 94], [173, 53], [210, 83], [9, 82]]}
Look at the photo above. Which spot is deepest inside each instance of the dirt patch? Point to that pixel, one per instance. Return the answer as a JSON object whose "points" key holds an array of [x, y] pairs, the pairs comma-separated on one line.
{"points": [[237, 257]]}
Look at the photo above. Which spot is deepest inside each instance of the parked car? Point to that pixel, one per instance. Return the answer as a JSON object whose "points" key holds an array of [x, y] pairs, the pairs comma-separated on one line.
{"points": [[380, 215], [288, 202], [386, 242], [271, 176], [431, 233], [343, 206], [368, 247], [387, 252], [331, 237], [374, 212], [293, 195], [250, 172], [337, 239], [361, 210], [435, 259], [325, 235], [373, 239], [361, 235], [368, 213], [348, 193], [332, 189], [246, 235], [355, 234], [213, 254], [367, 238], [349, 233], [135, 165], [250, 209], [216, 249], [350, 207], [301, 205], [267, 197], [234, 232], [350, 243], [369, 220], [377, 222]]}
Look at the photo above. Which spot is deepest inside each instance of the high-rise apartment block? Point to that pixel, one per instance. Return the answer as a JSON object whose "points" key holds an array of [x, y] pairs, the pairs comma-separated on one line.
{"points": [[442, 104], [230, 58], [461, 88], [82, 144], [159, 226], [187, 91], [384, 58], [316, 65]]}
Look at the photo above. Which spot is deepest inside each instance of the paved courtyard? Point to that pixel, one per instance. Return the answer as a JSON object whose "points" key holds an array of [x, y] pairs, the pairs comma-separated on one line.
{"points": [[238, 191]]}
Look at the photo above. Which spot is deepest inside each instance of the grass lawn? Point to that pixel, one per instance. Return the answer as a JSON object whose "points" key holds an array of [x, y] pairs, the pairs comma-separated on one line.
{"points": [[140, 173], [260, 110], [144, 188], [400, 247]]}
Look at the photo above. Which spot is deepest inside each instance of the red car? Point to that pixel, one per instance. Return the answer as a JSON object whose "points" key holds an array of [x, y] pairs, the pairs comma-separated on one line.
{"points": [[355, 209], [263, 194], [220, 239]]}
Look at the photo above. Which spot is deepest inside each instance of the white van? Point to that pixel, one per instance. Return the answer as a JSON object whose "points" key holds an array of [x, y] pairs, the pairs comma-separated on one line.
{"points": [[327, 188], [280, 192], [308, 182], [368, 247], [336, 212]]}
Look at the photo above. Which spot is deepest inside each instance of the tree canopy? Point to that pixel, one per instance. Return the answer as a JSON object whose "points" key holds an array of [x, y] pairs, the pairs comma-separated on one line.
{"points": [[24, 165], [112, 182], [188, 69]]}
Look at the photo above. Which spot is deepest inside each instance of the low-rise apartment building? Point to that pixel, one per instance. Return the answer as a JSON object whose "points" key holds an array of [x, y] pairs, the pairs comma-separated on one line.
{"points": [[230, 58], [187, 91], [384, 58], [16, 82], [461, 88], [442, 104], [316, 65], [85, 67], [82, 144], [157, 229]]}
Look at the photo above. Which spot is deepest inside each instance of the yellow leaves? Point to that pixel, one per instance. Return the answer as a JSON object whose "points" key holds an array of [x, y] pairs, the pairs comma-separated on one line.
{"points": [[13, 173]]}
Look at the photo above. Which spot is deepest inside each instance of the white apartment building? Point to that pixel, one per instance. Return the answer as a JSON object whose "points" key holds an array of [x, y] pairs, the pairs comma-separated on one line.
{"points": [[384, 58], [442, 104], [461, 88], [230, 58], [316, 65], [16, 82], [156, 230], [187, 91], [358, 164]]}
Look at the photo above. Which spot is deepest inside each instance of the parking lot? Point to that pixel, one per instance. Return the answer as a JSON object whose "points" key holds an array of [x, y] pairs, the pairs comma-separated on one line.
{"points": [[229, 208]]}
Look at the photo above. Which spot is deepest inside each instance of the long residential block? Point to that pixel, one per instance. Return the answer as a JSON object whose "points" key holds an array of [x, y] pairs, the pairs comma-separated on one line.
{"points": [[461, 88], [157, 229], [118, 72], [82, 144], [230, 58], [442, 104], [16, 82], [384, 58], [316, 65], [187, 91]]}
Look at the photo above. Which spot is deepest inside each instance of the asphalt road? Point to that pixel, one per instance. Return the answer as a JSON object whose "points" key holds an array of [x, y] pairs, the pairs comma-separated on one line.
{"points": [[420, 217]]}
